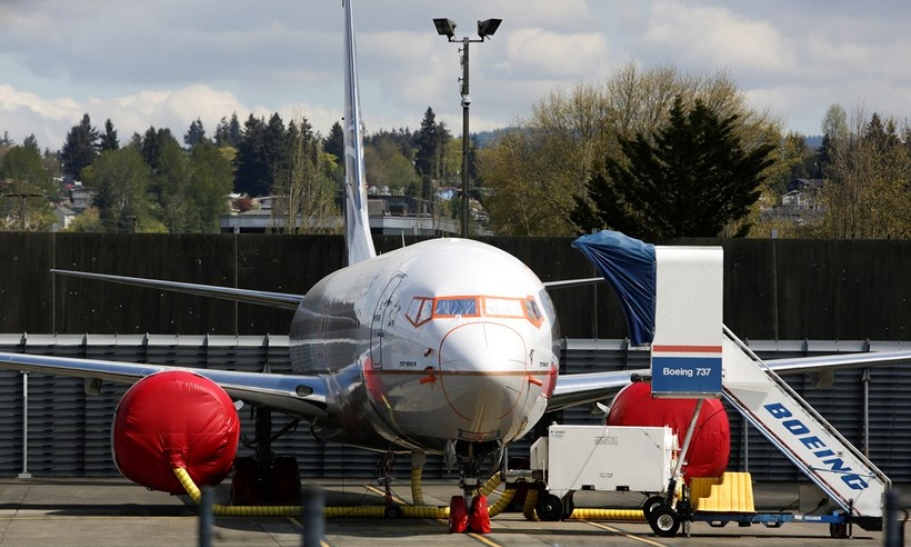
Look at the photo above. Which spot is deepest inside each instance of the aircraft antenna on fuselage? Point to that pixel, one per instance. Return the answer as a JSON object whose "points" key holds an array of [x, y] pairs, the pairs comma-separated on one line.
{"points": [[357, 225]]}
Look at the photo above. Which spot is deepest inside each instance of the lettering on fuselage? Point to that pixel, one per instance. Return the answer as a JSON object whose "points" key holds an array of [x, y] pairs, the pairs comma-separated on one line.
{"points": [[819, 449]]}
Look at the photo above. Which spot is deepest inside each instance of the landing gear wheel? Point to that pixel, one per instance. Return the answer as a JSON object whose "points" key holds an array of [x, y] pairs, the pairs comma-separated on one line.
{"points": [[664, 522], [286, 481], [650, 505], [549, 507], [245, 488], [458, 515], [838, 530]]}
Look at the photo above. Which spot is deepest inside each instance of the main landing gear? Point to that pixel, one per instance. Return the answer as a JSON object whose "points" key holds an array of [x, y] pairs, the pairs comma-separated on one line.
{"points": [[266, 479]]}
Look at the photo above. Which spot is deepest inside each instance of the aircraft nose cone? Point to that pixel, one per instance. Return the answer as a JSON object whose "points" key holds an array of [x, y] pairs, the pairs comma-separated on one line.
{"points": [[483, 369]]}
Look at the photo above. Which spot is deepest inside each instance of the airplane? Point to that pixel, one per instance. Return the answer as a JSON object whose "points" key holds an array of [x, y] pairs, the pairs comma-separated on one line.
{"points": [[448, 346]]}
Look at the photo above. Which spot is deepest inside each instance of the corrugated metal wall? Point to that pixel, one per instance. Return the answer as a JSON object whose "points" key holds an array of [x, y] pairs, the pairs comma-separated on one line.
{"points": [[69, 432], [773, 289]]}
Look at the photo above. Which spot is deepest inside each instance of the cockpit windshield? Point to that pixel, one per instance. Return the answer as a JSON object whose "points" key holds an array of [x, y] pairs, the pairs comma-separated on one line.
{"points": [[423, 309]]}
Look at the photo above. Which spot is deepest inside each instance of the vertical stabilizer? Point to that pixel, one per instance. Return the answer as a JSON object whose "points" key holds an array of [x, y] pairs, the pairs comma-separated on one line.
{"points": [[357, 225]]}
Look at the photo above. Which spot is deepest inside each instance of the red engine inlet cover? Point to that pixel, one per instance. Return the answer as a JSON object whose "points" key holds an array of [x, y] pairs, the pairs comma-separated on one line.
{"points": [[711, 444], [175, 419]]}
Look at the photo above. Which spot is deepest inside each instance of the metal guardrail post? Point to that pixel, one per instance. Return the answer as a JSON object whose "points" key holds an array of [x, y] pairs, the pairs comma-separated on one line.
{"points": [[206, 517], [895, 526], [312, 516], [25, 474]]}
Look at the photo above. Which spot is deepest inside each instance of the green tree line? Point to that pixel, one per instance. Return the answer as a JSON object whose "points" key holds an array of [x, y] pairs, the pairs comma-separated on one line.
{"points": [[154, 184], [654, 152]]}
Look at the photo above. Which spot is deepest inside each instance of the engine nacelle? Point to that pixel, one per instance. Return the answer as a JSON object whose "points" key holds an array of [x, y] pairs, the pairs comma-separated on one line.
{"points": [[711, 444], [175, 418]]}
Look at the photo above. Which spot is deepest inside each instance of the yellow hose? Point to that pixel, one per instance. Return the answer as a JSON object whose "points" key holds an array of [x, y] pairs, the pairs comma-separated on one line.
{"points": [[490, 485], [608, 514], [502, 503], [234, 510], [369, 511], [417, 495]]}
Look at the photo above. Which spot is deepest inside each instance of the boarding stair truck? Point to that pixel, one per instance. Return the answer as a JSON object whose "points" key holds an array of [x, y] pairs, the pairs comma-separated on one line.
{"points": [[671, 297]]}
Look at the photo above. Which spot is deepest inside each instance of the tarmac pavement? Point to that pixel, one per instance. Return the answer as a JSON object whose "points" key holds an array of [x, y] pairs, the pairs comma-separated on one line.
{"points": [[116, 513]]}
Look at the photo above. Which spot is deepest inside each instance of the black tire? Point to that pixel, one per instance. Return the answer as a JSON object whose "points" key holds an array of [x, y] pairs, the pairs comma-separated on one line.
{"points": [[664, 522], [245, 487], [838, 530], [549, 508], [393, 512], [651, 504], [286, 482]]}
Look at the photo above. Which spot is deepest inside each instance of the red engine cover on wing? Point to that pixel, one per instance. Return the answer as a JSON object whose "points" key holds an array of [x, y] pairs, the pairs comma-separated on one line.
{"points": [[711, 444], [175, 419]]}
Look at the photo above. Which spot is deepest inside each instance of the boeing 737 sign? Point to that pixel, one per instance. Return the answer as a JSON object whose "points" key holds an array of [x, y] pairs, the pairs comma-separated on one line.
{"points": [[686, 351], [686, 370]]}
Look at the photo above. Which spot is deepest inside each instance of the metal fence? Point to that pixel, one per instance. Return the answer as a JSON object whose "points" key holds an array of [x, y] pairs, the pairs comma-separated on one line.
{"points": [[69, 431]]}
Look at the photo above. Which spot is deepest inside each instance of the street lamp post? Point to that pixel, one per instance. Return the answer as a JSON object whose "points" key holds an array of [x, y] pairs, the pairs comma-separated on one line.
{"points": [[446, 27]]}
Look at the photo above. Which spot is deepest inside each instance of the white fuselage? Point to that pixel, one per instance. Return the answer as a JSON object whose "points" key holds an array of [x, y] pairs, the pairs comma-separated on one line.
{"points": [[442, 342]]}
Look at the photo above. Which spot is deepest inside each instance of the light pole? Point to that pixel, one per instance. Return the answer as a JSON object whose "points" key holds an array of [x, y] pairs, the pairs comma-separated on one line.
{"points": [[446, 27]]}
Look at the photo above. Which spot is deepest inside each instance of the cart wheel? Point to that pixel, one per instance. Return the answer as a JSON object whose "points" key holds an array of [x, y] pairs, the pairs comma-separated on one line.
{"points": [[651, 504], [393, 512], [549, 507], [664, 521], [838, 530]]}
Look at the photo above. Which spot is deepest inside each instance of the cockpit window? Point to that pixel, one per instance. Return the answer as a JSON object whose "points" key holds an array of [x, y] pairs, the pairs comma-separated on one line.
{"points": [[450, 307], [532, 310], [420, 311], [503, 307], [423, 309]]}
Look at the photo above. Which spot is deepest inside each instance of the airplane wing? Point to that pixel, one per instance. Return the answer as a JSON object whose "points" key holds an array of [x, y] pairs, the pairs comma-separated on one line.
{"points": [[303, 396], [590, 387], [246, 296]]}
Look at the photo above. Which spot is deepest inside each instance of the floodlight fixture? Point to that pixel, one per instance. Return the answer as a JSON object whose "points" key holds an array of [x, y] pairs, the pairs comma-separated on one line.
{"points": [[445, 27], [488, 27]]}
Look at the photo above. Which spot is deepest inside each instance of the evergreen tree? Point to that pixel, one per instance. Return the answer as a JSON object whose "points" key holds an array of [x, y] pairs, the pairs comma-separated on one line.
{"points": [[108, 140], [234, 131], [335, 143], [228, 133], [152, 143], [251, 174], [427, 144], [195, 135], [80, 148], [222, 137], [693, 178], [31, 143], [275, 151]]}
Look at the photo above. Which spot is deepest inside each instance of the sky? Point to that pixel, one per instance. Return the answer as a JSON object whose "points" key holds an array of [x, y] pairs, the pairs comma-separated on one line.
{"points": [[165, 63]]}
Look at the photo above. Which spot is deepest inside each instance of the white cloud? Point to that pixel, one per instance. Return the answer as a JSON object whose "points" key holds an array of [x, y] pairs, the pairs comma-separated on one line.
{"points": [[535, 52], [716, 36], [176, 109]]}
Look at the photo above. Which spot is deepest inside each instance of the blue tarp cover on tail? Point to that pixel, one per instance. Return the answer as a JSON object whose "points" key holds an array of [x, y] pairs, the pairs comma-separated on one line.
{"points": [[629, 266]]}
